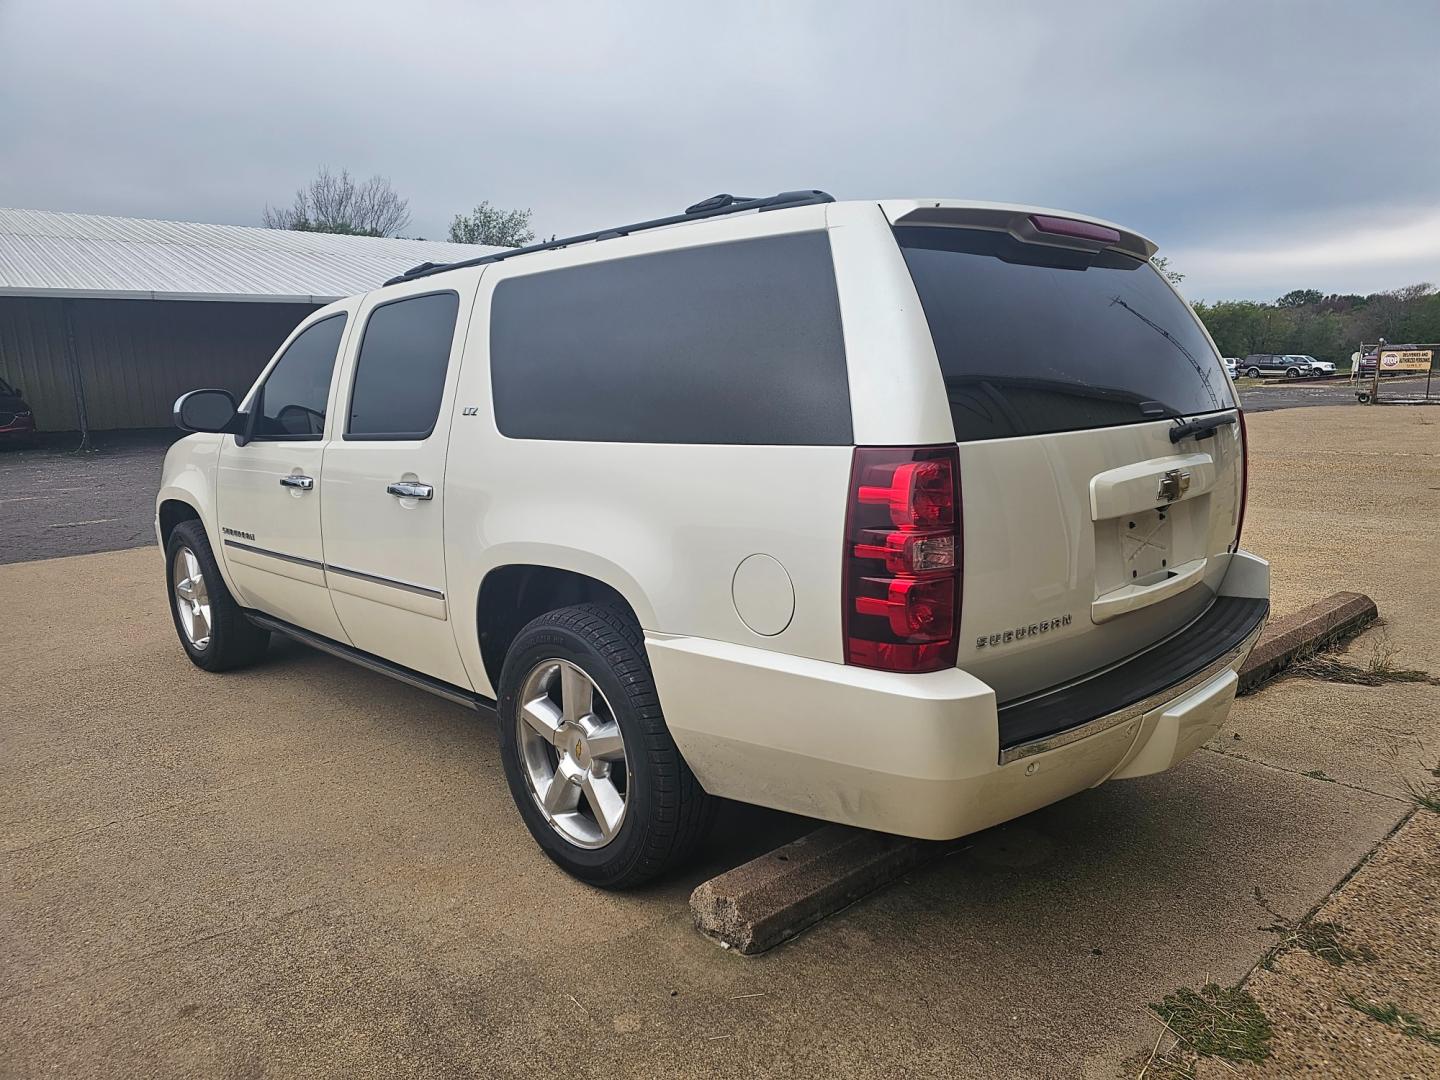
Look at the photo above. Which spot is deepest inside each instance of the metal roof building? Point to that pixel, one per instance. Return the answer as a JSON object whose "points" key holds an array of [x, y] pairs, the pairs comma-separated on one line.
{"points": [[104, 321]]}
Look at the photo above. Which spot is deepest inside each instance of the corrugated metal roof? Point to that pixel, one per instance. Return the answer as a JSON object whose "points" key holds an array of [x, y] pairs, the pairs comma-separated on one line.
{"points": [[44, 253]]}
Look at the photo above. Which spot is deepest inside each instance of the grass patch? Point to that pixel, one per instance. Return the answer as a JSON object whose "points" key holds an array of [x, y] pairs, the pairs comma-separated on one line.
{"points": [[1217, 1021], [1323, 939], [1319, 938], [1379, 669], [1426, 796], [1392, 1015], [1319, 774], [1322, 667]]}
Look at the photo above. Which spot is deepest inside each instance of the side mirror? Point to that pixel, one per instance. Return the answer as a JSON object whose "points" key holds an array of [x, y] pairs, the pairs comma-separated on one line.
{"points": [[205, 410]]}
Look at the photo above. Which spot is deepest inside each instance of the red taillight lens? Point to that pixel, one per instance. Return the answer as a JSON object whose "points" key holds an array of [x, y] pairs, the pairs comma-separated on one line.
{"points": [[903, 558], [1244, 478], [1082, 230]]}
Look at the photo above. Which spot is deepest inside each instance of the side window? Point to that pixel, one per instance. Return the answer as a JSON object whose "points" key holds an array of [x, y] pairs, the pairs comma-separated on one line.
{"points": [[400, 372], [734, 343], [291, 402]]}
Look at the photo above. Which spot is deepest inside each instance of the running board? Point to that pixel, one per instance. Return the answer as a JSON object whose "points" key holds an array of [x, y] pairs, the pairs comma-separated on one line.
{"points": [[438, 687]]}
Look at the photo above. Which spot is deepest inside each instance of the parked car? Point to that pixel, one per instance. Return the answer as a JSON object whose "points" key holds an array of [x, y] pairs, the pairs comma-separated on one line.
{"points": [[1291, 366], [684, 508], [1319, 367], [17, 421], [1232, 366]]}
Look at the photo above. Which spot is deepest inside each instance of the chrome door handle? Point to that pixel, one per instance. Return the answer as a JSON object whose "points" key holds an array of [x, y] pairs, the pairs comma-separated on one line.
{"points": [[407, 489], [304, 483]]}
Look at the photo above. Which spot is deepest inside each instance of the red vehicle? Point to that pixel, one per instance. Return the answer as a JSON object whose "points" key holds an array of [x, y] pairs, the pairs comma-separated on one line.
{"points": [[1371, 358], [17, 422]]}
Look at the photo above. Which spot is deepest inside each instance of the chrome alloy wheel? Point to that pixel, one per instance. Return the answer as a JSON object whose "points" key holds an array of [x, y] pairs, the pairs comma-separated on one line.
{"points": [[572, 753], [192, 598]]}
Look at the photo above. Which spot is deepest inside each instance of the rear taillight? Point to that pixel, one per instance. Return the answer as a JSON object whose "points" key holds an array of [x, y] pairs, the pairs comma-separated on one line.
{"points": [[903, 558], [1244, 478]]}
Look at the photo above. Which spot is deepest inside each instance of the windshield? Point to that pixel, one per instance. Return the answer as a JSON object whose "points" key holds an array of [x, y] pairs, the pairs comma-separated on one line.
{"points": [[1035, 339]]}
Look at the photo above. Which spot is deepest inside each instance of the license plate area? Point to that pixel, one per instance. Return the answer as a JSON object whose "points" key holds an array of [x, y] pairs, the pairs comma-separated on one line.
{"points": [[1146, 545]]}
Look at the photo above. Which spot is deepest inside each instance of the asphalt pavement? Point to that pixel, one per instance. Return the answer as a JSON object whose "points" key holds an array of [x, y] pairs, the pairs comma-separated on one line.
{"points": [[57, 500]]}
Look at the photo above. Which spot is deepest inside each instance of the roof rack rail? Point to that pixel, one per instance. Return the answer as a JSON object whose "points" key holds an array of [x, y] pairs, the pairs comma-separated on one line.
{"points": [[714, 206]]}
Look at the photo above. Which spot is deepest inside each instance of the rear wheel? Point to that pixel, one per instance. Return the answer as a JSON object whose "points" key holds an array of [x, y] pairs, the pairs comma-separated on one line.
{"points": [[1252, 373], [213, 630], [591, 765]]}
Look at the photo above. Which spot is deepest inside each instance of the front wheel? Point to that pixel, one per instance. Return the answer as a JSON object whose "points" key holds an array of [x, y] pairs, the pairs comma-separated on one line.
{"points": [[213, 630], [591, 765], [1292, 373]]}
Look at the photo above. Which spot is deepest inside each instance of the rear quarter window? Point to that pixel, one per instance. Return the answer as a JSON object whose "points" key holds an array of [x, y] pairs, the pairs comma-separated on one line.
{"points": [[726, 343], [1035, 339]]}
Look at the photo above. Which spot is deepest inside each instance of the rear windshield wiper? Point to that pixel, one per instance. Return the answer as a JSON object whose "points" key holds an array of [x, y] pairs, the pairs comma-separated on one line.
{"points": [[1202, 428]]}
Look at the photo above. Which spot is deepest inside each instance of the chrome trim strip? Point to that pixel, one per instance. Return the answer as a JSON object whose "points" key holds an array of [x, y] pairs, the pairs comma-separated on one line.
{"points": [[296, 559], [392, 582], [1130, 712]]}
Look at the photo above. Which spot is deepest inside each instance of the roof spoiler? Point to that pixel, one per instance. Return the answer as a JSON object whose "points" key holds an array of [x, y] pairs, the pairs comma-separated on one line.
{"points": [[1030, 226]]}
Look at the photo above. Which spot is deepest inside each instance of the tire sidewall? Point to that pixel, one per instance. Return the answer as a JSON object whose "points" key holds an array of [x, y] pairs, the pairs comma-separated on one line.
{"points": [[595, 865], [184, 536]]}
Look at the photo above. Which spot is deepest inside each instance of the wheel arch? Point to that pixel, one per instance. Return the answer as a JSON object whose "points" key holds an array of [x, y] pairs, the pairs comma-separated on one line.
{"points": [[510, 596], [170, 513]]}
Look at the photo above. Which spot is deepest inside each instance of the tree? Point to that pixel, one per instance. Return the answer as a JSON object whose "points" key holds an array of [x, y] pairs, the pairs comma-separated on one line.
{"points": [[337, 204], [493, 227], [1300, 298], [1161, 263]]}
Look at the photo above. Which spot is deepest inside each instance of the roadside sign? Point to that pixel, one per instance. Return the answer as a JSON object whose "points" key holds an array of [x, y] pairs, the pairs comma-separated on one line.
{"points": [[1406, 359]]}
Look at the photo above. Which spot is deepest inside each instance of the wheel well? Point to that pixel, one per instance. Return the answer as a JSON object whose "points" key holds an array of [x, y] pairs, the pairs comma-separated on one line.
{"points": [[510, 596], [172, 513]]}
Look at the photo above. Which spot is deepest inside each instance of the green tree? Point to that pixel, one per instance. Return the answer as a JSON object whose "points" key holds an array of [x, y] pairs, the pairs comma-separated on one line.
{"points": [[491, 226], [1162, 263], [1300, 298], [337, 204]]}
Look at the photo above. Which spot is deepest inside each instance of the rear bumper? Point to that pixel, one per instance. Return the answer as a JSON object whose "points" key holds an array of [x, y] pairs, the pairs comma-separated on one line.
{"points": [[921, 755]]}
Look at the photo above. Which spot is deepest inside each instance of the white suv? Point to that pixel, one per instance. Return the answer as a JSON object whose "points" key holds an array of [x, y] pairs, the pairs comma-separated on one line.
{"points": [[914, 515]]}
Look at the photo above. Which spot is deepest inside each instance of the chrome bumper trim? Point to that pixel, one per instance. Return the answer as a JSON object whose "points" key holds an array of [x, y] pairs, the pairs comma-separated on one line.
{"points": [[1104, 723]]}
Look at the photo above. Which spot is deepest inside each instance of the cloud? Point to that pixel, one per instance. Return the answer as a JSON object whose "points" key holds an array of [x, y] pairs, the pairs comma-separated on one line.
{"points": [[1221, 130], [1369, 255]]}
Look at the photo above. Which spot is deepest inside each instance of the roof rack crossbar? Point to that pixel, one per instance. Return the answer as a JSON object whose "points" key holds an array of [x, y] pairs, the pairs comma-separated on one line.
{"points": [[714, 206]]}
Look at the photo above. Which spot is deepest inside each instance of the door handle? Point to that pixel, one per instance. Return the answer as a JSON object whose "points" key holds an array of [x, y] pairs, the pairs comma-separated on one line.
{"points": [[304, 483], [408, 489]]}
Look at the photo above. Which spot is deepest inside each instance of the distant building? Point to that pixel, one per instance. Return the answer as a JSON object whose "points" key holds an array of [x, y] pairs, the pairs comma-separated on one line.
{"points": [[119, 316]]}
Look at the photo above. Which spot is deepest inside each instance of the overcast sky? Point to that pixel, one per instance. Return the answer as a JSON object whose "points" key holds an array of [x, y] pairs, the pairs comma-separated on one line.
{"points": [[1263, 146]]}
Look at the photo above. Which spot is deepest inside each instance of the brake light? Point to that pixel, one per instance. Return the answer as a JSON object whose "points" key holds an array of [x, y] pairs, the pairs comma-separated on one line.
{"points": [[1244, 477], [903, 558], [1082, 230]]}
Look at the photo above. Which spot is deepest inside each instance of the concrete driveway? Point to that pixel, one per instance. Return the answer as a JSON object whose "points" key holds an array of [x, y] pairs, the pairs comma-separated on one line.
{"points": [[306, 870]]}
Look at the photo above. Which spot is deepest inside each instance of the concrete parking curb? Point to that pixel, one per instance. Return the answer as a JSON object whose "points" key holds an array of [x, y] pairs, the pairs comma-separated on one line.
{"points": [[773, 897], [1306, 631]]}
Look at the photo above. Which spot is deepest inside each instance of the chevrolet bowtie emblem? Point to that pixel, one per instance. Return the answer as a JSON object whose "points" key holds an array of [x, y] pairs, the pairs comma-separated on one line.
{"points": [[1174, 484]]}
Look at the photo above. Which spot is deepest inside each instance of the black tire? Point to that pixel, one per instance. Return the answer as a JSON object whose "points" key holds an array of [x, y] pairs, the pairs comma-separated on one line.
{"points": [[1292, 373], [234, 641], [667, 813], [1252, 373]]}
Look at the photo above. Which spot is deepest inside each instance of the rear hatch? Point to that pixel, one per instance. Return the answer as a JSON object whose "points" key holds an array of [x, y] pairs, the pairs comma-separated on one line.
{"points": [[1090, 534]]}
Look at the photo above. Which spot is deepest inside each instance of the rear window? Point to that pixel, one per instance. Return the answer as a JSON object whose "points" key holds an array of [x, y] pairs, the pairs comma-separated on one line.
{"points": [[727, 343], [1035, 339]]}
